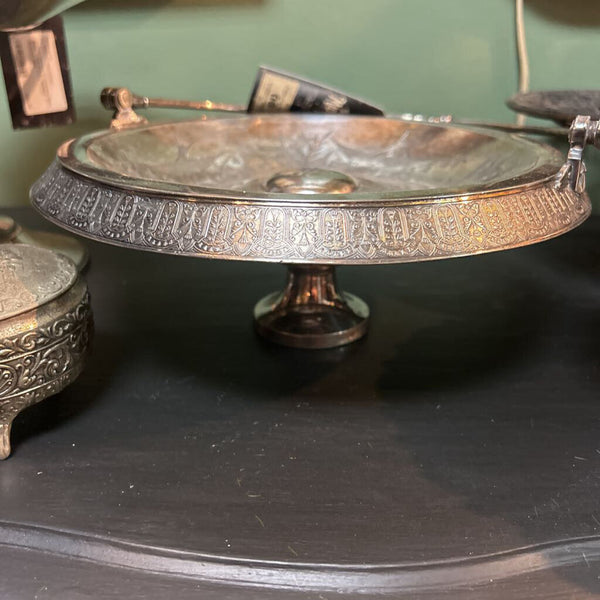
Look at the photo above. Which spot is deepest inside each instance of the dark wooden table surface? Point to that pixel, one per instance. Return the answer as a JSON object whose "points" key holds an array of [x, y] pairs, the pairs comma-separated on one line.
{"points": [[453, 453]]}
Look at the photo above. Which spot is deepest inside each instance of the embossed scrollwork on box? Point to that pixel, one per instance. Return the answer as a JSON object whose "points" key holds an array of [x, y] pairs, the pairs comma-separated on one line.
{"points": [[37, 363]]}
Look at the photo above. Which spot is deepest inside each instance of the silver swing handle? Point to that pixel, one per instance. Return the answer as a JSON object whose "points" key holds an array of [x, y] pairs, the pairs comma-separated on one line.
{"points": [[584, 130]]}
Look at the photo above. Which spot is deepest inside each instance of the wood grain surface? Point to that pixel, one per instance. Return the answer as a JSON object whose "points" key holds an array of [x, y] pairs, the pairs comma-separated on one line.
{"points": [[454, 452]]}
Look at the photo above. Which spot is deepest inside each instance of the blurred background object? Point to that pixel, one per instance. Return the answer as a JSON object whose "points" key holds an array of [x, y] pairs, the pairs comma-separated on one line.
{"points": [[19, 14], [17, 18]]}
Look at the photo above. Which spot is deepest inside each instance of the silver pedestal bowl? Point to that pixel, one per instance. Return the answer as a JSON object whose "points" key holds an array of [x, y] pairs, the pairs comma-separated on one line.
{"points": [[312, 192]]}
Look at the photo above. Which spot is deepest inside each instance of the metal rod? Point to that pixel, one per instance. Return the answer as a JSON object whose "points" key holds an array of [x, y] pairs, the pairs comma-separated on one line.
{"points": [[123, 101], [187, 104], [509, 127], [522, 56]]}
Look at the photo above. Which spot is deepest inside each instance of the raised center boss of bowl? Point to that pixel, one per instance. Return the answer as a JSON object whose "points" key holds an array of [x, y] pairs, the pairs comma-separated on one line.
{"points": [[311, 181]]}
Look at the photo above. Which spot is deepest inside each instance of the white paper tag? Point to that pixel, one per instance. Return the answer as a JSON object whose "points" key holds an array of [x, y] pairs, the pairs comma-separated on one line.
{"points": [[275, 93], [38, 72]]}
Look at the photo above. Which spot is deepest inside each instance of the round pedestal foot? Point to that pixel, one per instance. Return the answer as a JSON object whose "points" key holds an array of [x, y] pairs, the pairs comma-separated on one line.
{"points": [[310, 312]]}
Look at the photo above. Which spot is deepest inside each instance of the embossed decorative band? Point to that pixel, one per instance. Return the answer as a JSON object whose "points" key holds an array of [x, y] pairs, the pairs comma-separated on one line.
{"points": [[302, 232], [38, 363]]}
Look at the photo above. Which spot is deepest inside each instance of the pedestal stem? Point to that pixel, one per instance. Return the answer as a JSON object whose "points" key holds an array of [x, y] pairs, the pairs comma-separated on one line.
{"points": [[311, 312]]}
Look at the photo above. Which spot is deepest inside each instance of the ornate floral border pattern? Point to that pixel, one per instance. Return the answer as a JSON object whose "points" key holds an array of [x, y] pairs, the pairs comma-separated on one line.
{"points": [[395, 232]]}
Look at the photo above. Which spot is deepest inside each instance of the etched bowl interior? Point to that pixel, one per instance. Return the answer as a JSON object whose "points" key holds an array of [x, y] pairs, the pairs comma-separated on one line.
{"points": [[383, 156]]}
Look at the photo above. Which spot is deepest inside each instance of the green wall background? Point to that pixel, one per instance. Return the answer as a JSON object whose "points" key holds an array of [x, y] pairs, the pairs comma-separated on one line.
{"points": [[426, 56]]}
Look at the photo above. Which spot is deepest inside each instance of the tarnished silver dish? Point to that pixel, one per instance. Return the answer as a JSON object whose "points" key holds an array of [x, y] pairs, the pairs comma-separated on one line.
{"points": [[561, 106], [311, 191], [45, 326]]}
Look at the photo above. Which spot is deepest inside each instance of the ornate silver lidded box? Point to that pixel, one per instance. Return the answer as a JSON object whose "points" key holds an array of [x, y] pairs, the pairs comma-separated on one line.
{"points": [[45, 327], [313, 192]]}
